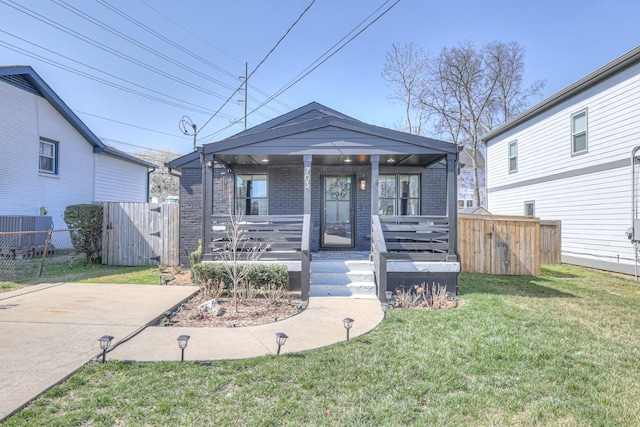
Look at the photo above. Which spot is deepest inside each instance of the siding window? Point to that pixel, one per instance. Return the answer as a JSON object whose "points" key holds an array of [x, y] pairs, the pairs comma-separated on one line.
{"points": [[461, 203], [579, 133], [513, 157], [399, 195], [48, 156], [252, 195], [529, 208], [469, 203]]}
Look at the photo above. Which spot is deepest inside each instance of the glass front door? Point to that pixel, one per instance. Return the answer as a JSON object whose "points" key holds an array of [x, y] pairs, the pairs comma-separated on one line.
{"points": [[337, 208]]}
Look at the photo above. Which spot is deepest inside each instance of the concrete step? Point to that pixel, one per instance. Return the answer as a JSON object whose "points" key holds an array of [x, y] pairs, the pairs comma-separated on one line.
{"points": [[341, 265], [352, 290], [341, 278]]}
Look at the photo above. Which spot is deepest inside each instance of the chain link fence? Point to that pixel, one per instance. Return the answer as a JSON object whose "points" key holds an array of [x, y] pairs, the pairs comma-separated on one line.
{"points": [[28, 255]]}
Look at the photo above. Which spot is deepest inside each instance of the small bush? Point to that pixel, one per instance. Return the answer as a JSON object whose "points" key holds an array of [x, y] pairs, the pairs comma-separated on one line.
{"points": [[86, 222], [194, 257], [274, 276]]}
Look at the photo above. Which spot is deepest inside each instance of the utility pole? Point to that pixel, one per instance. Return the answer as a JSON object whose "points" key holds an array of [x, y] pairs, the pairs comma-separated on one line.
{"points": [[246, 84], [187, 123]]}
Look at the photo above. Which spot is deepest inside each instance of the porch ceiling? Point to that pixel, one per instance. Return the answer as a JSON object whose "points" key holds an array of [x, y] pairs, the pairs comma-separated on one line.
{"points": [[399, 159]]}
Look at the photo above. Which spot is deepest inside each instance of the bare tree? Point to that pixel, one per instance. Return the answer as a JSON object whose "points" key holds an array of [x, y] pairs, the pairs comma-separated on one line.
{"points": [[407, 69], [464, 92], [162, 183], [240, 253]]}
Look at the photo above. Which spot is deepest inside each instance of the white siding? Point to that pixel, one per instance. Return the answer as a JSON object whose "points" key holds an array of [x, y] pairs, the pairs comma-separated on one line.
{"points": [[120, 181], [595, 208], [26, 118]]}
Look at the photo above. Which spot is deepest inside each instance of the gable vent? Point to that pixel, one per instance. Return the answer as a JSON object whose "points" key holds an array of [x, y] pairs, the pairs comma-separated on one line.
{"points": [[19, 81]]}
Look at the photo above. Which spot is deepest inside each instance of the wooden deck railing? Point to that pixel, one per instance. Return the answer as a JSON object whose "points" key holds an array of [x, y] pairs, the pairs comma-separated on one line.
{"points": [[282, 234], [416, 238]]}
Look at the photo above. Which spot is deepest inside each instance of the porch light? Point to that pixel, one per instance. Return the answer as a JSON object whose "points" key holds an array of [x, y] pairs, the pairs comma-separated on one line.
{"points": [[105, 342], [388, 295], [348, 322], [363, 184], [281, 338], [182, 343], [348, 160], [391, 160], [385, 307]]}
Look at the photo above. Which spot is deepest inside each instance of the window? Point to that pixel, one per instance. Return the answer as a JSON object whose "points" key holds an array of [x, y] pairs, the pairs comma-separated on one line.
{"points": [[399, 194], [579, 133], [251, 194], [469, 203], [513, 157], [48, 156], [461, 203], [529, 208]]}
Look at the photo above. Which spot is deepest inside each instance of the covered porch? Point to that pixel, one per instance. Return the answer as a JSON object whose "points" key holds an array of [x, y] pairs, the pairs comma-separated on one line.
{"points": [[317, 180]]}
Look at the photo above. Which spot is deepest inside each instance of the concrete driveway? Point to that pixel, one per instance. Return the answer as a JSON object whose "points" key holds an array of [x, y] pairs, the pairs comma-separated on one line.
{"points": [[49, 331]]}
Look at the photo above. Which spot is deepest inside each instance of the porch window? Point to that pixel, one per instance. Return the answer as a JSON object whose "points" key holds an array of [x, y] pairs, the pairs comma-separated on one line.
{"points": [[48, 156], [252, 195], [399, 195]]}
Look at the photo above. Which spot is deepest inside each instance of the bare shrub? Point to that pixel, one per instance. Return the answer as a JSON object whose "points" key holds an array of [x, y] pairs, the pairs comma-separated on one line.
{"points": [[213, 289], [423, 296]]}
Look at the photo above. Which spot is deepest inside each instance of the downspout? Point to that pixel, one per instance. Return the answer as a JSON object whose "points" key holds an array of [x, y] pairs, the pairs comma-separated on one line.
{"points": [[149, 183]]}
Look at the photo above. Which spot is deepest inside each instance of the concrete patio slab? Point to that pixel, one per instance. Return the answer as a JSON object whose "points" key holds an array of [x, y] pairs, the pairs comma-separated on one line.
{"points": [[49, 331]]}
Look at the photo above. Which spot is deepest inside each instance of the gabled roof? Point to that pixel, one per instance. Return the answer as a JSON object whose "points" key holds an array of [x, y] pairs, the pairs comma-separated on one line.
{"points": [[614, 67], [315, 116], [465, 158], [25, 77]]}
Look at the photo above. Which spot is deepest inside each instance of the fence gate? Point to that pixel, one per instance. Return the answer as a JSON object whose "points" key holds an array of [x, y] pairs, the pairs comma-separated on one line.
{"points": [[499, 244], [140, 234]]}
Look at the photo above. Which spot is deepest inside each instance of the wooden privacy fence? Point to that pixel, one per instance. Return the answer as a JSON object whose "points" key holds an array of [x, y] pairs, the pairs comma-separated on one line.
{"points": [[499, 244], [140, 234], [550, 242]]}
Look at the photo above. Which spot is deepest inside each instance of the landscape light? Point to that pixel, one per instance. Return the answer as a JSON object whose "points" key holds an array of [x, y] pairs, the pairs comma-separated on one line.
{"points": [[385, 307], [105, 342], [348, 322], [281, 338], [182, 343]]}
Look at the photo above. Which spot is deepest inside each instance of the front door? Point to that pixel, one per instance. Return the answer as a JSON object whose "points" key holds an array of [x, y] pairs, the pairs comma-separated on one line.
{"points": [[337, 225]]}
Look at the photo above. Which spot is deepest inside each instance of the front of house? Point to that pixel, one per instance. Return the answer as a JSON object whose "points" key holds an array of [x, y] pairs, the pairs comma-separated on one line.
{"points": [[315, 180]]}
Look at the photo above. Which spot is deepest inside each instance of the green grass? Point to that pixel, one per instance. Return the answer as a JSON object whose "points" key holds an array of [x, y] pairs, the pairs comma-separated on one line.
{"points": [[83, 271], [561, 349]]}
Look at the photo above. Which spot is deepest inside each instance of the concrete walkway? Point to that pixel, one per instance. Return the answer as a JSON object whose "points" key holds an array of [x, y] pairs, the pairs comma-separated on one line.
{"points": [[319, 325], [49, 331]]}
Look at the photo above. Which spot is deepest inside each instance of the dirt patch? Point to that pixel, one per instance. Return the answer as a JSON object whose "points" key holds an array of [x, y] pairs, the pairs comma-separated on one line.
{"points": [[251, 312]]}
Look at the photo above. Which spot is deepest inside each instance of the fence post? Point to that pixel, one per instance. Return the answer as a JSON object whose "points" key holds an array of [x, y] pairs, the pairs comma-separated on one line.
{"points": [[44, 253]]}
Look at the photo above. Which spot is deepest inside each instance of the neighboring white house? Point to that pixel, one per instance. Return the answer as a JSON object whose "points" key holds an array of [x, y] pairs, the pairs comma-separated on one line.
{"points": [[568, 158], [50, 159], [466, 198]]}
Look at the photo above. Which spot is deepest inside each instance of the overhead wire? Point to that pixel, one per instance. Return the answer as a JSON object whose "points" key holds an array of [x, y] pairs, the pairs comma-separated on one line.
{"points": [[185, 104], [99, 45], [326, 55], [258, 66]]}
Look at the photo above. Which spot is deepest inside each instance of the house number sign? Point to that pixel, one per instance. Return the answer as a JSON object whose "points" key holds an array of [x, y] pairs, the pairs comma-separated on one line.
{"points": [[307, 177]]}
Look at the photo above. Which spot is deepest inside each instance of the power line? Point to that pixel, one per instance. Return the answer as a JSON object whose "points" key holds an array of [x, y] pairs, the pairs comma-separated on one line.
{"points": [[259, 64], [193, 107], [177, 24], [313, 67], [99, 45], [128, 124], [141, 45]]}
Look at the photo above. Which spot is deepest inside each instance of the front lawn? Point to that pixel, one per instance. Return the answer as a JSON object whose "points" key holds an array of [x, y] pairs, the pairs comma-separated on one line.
{"points": [[561, 349]]}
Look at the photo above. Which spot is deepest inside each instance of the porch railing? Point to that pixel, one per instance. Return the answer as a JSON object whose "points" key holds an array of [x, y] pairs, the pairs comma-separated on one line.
{"points": [[379, 255], [416, 238], [281, 234]]}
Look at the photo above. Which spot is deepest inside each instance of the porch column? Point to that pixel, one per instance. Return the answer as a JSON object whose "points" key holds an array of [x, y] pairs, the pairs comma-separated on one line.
{"points": [[375, 174], [305, 260], [207, 203], [307, 184], [452, 206]]}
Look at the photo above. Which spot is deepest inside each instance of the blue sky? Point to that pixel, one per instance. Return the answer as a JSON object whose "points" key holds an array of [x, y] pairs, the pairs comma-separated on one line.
{"points": [[564, 41]]}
